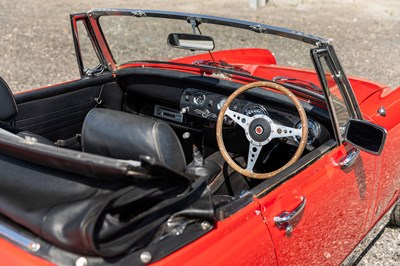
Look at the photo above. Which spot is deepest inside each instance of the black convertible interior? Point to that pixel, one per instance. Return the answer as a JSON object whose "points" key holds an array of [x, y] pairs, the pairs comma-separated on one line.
{"points": [[187, 103], [162, 118]]}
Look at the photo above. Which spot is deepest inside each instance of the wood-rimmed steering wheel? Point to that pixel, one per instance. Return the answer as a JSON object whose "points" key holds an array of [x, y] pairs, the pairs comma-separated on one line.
{"points": [[260, 130]]}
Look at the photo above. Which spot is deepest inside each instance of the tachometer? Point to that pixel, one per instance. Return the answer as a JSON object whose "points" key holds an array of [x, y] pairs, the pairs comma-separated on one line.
{"points": [[314, 130], [255, 110]]}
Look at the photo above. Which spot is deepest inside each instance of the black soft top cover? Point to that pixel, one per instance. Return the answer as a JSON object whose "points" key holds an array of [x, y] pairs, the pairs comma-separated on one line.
{"points": [[90, 204]]}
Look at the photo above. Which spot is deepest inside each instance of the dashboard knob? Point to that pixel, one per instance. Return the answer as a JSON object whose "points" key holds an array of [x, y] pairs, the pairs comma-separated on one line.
{"points": [[205, 113], [184, 110]]}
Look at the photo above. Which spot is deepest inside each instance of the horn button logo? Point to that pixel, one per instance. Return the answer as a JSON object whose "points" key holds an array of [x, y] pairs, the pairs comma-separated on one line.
{"points": [[259, 130]]}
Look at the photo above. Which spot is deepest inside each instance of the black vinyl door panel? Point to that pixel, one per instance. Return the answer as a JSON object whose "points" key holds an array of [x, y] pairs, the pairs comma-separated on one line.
{"points": [[59, 116], [58, 112]]}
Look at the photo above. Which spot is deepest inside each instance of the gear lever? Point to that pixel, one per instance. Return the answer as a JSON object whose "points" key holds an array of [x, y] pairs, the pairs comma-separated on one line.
{"points": [[198, 159], [200, 167]]}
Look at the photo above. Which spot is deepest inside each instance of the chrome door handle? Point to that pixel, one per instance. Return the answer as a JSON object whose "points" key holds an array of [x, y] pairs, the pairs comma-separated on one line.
{"points": [[286, 220], [349, 159]]}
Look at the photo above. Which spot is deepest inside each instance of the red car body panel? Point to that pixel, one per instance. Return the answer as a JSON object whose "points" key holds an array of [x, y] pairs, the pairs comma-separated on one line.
{"points": [[262, 63], [388, 166], [12, 255], [319, 239], [251, 56]]}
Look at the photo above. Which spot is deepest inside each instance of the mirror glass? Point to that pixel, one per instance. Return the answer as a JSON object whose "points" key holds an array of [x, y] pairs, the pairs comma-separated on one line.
{"points": [[191, 41], [365, 135]]}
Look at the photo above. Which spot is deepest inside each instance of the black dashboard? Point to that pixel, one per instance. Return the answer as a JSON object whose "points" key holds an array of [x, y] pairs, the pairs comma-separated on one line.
{"points": [[192, 103]]}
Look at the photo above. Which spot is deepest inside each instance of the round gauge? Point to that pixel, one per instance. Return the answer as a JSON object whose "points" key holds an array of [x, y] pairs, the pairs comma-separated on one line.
{"points": [[199, 98], [314, 130], [221, 103], [234, 105], [254, 110]]}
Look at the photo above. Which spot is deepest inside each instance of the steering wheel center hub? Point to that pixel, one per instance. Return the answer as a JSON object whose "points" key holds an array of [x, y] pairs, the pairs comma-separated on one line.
{"points": [[259, 131]]}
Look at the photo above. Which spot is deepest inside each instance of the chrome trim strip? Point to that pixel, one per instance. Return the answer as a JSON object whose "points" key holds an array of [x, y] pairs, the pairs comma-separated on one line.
{"points": [[19, 238], [359, 249]]}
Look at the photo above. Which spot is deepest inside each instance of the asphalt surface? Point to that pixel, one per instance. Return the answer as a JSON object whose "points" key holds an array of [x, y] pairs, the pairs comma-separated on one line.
{"points": [[36, 46]]}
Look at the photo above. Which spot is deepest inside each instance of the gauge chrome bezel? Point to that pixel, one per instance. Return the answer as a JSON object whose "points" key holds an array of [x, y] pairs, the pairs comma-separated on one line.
{"points": [[314, 129], [221, 103], [196, 96], [254, 107]]}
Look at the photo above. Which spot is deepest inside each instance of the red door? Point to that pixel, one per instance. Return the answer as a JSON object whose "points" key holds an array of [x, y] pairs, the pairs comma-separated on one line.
{"points": [[390, 164], [331, 205], [241, 239]]}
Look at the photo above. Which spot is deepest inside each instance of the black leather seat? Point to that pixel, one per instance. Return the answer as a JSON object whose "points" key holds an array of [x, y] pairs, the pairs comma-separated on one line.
{"points": [[127, 136], [8, 112]]}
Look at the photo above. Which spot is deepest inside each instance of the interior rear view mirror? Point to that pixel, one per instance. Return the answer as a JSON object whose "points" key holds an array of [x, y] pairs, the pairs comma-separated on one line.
{"points": [[192, 42]]}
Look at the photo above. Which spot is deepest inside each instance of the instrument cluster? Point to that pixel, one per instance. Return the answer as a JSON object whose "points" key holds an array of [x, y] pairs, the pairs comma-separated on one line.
{"points": [[207, 105]]}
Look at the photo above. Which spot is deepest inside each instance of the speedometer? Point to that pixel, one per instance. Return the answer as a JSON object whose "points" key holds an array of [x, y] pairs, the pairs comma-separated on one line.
{"points": [[254, 110]]}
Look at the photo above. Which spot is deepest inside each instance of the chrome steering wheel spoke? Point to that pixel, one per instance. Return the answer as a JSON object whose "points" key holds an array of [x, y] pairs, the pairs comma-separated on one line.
{"points": [[239, 118], [254, 152], [279, 131]]}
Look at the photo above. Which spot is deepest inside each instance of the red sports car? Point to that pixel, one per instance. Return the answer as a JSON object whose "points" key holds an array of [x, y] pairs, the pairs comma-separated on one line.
{"points": [[197, 140]]}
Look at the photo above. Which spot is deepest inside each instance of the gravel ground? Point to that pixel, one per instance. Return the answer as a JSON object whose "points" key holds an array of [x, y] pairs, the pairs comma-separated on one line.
{"points": [[36, 46]]}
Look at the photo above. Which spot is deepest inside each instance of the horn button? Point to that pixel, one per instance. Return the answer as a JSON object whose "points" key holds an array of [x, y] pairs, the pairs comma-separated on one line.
{"points": [[259, 131]]}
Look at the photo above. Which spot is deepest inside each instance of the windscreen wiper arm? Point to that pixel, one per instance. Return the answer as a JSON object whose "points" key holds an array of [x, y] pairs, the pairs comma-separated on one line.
{"points": [[220, 64], [297, 81]]}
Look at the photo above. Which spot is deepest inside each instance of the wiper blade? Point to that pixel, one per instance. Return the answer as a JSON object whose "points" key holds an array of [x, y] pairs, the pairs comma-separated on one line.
{"points": [[299, 82], [220, 64]]}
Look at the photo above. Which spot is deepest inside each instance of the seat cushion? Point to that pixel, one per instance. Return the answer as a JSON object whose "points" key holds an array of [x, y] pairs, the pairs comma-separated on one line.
{"points": [[8, 107], [127, 136]]}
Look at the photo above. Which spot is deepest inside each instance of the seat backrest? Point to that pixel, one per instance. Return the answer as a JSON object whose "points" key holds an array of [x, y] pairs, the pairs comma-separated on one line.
{"points": [[8, 107], [126, 136]]}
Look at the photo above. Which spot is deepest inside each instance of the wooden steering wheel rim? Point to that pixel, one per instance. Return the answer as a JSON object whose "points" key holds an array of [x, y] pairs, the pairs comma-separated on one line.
{"points": [[304, 130]]}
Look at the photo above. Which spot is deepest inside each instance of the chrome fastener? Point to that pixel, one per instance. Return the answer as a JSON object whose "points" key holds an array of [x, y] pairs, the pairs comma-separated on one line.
{"points": [[145, 257], [205, 225], [81, 261]]}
